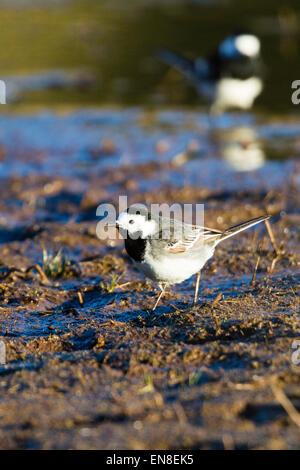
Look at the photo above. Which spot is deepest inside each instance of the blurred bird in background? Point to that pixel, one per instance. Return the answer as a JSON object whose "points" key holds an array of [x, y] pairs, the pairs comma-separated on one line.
{"points": [[231, 77]]}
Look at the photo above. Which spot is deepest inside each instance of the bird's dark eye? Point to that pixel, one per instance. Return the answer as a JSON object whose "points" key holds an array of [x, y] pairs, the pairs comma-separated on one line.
{"points": [[131, 221]]}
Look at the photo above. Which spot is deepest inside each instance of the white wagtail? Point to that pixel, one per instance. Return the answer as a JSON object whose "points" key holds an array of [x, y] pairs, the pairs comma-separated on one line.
{"points": [[168, 251], [228, 78]]}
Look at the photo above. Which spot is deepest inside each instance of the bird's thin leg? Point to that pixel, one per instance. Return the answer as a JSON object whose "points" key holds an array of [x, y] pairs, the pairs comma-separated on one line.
{"points": [[196, 288], [163, 288]]}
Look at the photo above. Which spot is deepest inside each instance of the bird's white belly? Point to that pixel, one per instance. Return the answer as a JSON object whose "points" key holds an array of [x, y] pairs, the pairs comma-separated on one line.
{"points": [[174, 268], [232, 92]]}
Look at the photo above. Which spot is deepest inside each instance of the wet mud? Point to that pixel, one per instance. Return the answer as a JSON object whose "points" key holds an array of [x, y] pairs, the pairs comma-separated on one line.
{"points": [[88, 364]]}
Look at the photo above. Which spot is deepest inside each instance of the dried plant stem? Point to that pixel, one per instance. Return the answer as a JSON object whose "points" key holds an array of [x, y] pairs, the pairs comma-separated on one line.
{"points": [[120, 286], [42, 274], [286, 404], [271, 269], [272, 238], [216, 300], [80, 297], [255, 271]]}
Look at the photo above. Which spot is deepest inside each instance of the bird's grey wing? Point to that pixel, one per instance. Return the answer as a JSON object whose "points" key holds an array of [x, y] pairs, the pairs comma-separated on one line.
{"points": [[174, 236], [188, 237], [200, 236]]}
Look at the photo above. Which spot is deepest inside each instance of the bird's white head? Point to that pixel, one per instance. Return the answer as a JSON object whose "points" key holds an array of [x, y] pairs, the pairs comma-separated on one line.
{"points": [[240, 45], [136, 223]]}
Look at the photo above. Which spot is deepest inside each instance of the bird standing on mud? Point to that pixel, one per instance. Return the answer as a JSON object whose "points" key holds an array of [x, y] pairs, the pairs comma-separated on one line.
{"points": [[168, 251], [229, 78]]}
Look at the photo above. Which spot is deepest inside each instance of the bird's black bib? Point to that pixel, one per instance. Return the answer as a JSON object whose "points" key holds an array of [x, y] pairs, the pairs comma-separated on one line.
{"points": [[136, 248]]}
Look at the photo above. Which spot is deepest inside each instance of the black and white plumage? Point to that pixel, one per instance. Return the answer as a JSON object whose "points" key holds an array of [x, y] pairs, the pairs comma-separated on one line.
{"points": [[168, 251], [230, 77]]}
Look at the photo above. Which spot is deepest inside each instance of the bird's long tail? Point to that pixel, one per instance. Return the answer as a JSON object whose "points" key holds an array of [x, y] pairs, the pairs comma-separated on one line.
{"points": [[184, 65], [229, 232]]}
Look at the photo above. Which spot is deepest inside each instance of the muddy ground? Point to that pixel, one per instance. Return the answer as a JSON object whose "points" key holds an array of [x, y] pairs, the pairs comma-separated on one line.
{"points": [[89, 366]]}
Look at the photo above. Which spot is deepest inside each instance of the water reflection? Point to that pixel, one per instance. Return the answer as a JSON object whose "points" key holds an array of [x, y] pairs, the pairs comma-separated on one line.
{"points": [[155, 150], [17, 86], [241, 149]]}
